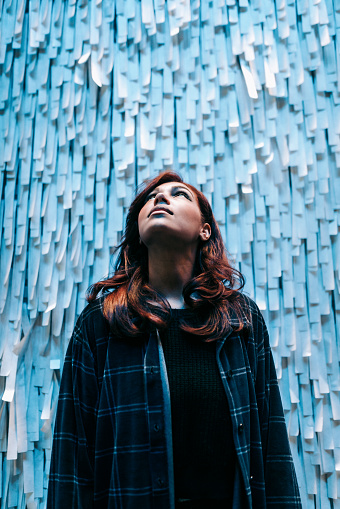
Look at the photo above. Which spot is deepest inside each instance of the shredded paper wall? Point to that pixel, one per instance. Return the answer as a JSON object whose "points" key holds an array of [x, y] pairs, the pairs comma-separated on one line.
{"points": [[240, 97]]}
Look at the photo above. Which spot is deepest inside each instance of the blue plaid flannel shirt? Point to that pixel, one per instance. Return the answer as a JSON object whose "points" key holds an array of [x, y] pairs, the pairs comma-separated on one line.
{"points": [[112, 443]]}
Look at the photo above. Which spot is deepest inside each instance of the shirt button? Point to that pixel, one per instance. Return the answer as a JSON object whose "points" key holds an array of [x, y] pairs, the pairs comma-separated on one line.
{"points": [[229, 374], [251, 477], [240, 428], [156, 427], [151, 370], [160, 482]]}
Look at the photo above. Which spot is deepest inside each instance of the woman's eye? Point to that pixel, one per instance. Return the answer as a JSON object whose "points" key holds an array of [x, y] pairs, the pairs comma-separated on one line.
{"points": [[183, 193], [176, 193], [149, 197]]}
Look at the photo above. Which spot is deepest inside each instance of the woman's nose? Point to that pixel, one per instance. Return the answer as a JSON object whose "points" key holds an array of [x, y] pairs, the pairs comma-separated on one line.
{"points": [[161, 197]]}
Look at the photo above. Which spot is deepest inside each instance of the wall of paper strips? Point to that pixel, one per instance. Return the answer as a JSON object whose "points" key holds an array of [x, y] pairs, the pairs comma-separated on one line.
{"points": [[243, 99]]}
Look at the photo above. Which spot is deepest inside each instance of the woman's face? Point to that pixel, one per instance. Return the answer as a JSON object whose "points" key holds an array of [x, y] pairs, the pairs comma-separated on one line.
{"points": [[171, 216]]}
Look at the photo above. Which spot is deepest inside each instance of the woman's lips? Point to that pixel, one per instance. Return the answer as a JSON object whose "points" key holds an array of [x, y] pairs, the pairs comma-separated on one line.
{"points": [[160, 211]]}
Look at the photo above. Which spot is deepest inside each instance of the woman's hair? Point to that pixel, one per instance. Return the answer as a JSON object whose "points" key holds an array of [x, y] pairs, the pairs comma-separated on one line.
{"points": [[132, 306]]}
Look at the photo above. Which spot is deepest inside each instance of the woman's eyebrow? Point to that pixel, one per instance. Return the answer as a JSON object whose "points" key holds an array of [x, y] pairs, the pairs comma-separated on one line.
{"points": [[182, 187], [173, 188]]}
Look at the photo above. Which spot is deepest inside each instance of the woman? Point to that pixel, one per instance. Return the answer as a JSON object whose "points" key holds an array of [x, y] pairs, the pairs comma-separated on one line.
{"points": [[169, 397]]}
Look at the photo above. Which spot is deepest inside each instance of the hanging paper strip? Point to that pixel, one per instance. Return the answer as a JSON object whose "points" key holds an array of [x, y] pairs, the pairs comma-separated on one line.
{"points": [[243, 100]]}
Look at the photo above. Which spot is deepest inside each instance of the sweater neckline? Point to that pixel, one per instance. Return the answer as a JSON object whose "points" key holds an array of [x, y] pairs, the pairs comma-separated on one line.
{"points": [[182, 312]]}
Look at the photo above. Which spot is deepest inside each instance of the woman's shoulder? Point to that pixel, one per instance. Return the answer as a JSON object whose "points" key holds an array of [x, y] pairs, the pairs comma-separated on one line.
{"points": [[92, 312], [250, 309], [91, 324]]}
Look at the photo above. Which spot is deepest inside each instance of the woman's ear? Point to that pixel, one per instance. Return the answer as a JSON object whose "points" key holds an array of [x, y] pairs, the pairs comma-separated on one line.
{"points": [[205, 232]]}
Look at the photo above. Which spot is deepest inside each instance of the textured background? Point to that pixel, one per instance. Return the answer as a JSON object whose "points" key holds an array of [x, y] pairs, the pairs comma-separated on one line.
{"points": [[243, 99]]}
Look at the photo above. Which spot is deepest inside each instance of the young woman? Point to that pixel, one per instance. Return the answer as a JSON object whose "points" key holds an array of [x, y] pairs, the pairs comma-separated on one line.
{"points": [[169, 397]]}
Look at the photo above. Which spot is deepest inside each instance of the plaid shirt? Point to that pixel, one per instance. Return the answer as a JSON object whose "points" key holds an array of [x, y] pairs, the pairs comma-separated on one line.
{"points": [[112, 442]]}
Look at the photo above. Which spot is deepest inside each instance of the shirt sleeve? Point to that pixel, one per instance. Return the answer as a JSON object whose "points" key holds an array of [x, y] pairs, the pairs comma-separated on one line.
{"points": [[71, 477], [281, 485]]}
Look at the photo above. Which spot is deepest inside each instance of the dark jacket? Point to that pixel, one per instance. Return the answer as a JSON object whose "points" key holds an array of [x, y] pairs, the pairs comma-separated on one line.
{"points": [[112, 443]]}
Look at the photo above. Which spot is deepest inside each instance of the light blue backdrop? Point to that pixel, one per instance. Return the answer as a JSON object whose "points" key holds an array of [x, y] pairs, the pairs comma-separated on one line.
{"points": [[243, 99]]}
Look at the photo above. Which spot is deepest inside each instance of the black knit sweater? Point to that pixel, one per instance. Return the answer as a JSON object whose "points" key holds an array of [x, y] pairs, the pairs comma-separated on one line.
{"points": [[204, 453]]}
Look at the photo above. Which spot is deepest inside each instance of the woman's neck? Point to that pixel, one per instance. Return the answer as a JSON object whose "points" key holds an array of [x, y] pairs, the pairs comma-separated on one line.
{"points": [[169, 272]]}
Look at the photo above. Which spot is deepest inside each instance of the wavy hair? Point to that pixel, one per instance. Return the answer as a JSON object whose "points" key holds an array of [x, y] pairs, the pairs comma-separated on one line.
{"points": [[132, 306]]}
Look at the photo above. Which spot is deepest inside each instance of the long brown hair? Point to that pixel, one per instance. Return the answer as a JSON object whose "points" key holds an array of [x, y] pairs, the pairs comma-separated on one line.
{"points": [[132, 306]]}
